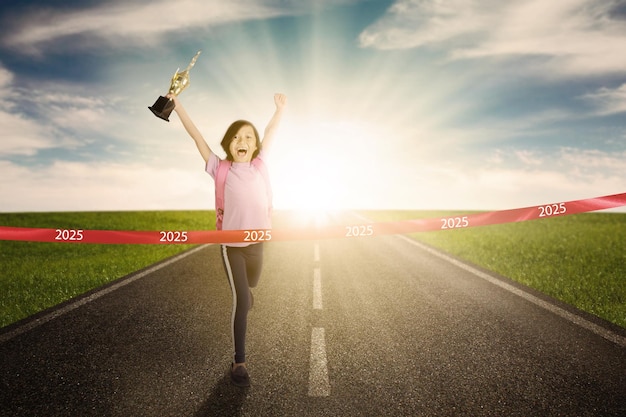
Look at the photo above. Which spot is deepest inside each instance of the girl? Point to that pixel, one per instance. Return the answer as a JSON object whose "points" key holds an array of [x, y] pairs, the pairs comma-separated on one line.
{"points": [[246, 207]]}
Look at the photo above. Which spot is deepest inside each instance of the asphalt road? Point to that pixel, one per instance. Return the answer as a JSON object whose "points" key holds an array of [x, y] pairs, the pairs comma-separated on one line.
{"points": [[351, 327]]}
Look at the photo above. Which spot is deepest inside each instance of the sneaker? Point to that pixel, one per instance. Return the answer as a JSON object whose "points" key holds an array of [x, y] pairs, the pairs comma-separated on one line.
{"points": [[239, 376]]}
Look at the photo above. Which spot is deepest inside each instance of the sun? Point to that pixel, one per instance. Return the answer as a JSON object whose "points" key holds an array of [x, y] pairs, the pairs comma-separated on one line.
{"points": [[312, 183], [323, 166]]}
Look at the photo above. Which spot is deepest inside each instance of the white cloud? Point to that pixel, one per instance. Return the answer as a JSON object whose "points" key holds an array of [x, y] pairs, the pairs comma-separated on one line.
{"points": [[132, 22], [593, 163], [6, 77], [71, 110], [608, 100], [414, 23], [54, 111], [77, 186], [506, 181], [575, 36], [520, 179], [21, 136]]}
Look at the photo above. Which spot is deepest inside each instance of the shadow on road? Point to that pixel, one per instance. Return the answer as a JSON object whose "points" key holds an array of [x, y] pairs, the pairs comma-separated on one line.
{"points": [[226, 400]]}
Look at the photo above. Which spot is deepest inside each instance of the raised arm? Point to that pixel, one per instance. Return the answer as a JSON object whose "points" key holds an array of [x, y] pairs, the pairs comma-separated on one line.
{"points": [[268, 136], [191, 128]]}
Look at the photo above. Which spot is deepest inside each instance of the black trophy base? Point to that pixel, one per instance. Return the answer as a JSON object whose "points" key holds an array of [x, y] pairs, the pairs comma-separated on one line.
{"points": [[162, 108]]}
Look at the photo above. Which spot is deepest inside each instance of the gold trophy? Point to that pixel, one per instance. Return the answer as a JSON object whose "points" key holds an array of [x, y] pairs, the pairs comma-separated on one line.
{"points": [[164, 106]]}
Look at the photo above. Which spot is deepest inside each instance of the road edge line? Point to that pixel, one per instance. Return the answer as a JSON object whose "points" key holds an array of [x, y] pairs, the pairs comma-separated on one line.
{"points": [[573, 318], [64, 308]]}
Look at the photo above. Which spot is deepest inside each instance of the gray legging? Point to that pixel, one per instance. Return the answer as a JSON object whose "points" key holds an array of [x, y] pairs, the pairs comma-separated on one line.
{"points": [[243, 267]]}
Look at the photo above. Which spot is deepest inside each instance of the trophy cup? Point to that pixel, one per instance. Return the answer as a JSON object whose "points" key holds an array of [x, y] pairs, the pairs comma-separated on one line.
{"points": [[163, 106]]}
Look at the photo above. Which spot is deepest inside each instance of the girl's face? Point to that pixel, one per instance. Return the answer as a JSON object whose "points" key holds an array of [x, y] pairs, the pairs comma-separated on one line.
{"points": [[243, 145]]}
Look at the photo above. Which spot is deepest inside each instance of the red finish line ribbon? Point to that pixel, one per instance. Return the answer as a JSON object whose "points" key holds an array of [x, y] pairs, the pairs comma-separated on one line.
{"points": [[329, 232]]}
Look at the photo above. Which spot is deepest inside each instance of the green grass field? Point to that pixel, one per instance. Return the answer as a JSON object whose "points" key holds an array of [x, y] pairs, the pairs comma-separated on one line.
{"points": [[35, 276], [579, 259]]}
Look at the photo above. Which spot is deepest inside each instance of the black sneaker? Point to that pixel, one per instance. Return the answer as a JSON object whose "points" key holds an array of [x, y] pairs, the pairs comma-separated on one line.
{"points": [[239, 376]]}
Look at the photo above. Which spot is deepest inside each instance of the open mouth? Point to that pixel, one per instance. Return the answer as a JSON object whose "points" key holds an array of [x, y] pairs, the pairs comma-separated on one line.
{"points": [[242, 152]]}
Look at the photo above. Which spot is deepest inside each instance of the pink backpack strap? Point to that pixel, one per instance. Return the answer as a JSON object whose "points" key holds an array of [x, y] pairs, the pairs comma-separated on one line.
{"points": [[220, 185]]}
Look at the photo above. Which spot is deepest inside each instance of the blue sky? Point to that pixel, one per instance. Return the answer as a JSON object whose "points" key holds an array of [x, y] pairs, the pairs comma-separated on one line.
{"points": [[405, 104]]}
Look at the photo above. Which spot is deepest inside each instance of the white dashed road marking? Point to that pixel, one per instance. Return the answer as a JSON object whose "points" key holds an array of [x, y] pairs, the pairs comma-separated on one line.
{"points": [[317, 289], [319, 384]]}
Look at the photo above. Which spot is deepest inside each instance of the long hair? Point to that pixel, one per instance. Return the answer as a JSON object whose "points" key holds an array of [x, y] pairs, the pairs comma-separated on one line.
{"points": [[230, 134]]}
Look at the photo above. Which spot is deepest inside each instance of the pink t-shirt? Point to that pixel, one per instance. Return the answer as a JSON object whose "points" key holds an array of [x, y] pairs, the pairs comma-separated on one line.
{"points": [[246, 204]]}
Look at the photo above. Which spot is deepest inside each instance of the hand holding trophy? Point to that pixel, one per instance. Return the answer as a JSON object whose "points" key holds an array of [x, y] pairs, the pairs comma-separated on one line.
{"points": [[163, 106]]}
